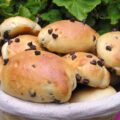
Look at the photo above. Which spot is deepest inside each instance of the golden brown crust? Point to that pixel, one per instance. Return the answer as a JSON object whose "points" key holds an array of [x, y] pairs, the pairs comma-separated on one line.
{"points": [[1, 66], [90, 94], [108, 48], [38, 78], [90, 70], [65, 36], [19, 44], [14, 26]]}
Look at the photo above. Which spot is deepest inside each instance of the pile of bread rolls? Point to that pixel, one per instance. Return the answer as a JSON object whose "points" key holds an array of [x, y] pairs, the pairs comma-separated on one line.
{"points": [[52, 64]]}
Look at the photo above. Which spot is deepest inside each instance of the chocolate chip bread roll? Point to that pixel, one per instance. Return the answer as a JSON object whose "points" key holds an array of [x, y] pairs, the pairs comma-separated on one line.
{"points": [[1, 66], [14, 26], [19, 44], [66, 36], [91, 94], [90, 70], [38, 76], [108, 48]]}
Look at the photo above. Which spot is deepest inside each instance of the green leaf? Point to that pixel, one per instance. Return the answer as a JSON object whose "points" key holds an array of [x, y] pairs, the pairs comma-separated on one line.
{"points": [[51, 15], [4, 3], [6, 9], [78, 8], [36, 5], [66, 14], [114, 12], [107, 1], [25, 12]]}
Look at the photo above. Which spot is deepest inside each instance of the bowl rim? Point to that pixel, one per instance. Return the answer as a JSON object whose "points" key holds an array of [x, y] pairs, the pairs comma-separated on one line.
{"points": [[96, 108]]}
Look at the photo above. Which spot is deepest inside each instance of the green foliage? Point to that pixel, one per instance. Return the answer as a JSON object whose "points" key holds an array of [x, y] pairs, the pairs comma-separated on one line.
{"points": [[52, 15], [78, 8], [114, 12], [102, 15], [24, 11]]}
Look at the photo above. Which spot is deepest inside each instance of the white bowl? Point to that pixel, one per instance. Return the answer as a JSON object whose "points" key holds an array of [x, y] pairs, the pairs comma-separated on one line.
{"points": [[68, 111]]}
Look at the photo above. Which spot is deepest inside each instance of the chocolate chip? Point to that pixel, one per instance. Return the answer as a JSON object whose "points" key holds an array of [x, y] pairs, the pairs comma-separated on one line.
{"points": [[50, 31], [49, 82], [72, 20], [32, 93], [102, 59], [55, 36], [17, 40], [109, 48], [37, 52], [6, 40], [9, 42], [94, 38], [21, 93], [89, 56], [6, 61], [100, 63], [116, 37], [85, 81], [33, 66], [93, 62], [30, 44], [6, 34], [51, 94], [42, 39], [73, 56], [56, 101], [78, 77], [33, 47], [42, 99]]}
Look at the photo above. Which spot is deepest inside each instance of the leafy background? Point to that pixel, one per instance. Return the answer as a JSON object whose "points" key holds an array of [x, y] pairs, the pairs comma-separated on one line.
{"points": [[102, 15]]}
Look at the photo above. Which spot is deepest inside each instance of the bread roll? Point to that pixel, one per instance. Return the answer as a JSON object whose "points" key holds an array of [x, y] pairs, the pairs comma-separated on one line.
{"points": [[67, 36], [1, 66], [19, 44], [90, 70], [108, 48], [14, 26], [38, 76], [90, 94]]}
